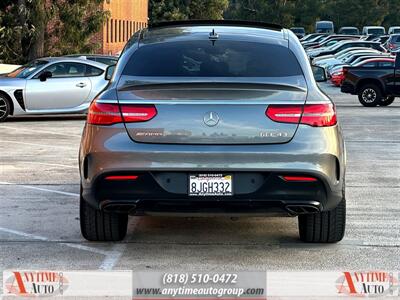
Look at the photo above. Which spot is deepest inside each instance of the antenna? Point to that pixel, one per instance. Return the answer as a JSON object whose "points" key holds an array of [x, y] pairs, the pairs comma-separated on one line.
{"points": [[213, 36]]}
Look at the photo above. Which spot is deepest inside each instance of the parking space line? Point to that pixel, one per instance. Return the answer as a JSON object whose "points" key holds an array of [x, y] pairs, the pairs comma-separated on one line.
{"points": [[112, 257], [42, 238], [49, 164], [39, 131], [41, 189], [24, 234], [38, 145]]}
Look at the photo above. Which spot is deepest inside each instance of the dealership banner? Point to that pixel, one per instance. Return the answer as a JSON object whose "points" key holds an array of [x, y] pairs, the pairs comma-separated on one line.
{"points": [[74, 284], [200, 285]]}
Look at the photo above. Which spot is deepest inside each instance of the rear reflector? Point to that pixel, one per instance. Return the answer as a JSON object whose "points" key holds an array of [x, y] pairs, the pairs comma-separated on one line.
{"points": [[122, 177], [316, 115], [299, 178], [108, 114]]}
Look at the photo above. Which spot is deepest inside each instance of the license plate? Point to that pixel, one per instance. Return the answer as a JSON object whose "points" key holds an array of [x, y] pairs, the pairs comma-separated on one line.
{"points": [[210, 185]]}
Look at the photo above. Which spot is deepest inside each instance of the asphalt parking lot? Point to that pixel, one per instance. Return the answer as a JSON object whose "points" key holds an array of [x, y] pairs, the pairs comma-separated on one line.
{"points": [[39, 211]]}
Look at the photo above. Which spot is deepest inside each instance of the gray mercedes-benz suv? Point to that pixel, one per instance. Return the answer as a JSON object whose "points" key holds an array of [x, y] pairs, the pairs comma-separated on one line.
{"points": [[213, 118]]}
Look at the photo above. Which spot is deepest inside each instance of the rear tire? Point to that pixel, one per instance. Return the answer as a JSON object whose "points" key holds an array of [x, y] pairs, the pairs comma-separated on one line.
{"points": [[387, 101], [370, 95], [5, 108], [97, 225], [324, 227]]}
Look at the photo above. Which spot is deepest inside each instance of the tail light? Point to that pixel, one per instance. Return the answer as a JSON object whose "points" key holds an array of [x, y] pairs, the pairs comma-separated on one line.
{"points": [[299, 178], [316, 115], [345, 71], [122, 177], [338, 73], [108, 114]]}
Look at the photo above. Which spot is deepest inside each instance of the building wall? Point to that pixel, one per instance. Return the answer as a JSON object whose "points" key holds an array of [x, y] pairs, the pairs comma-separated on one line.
{"points": [[126, 17]]}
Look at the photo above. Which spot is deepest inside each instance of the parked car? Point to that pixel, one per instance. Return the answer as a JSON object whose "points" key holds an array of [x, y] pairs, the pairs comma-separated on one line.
{"points": [[355, 60], [104, 59], [394, 30], [344, 45], [226, 119], [338, 76], [347, 58], [381, 39], [327, 60], [328, 41], [374, 86], [300, 32], [336, 55], [51, 86], [324, 27], [311, 36], [314, 40], [349, 30], [393, 43], [373, 30]]}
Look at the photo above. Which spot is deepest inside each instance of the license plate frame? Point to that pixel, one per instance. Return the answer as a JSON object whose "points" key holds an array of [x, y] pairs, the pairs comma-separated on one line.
{"points": [[210, 185]]}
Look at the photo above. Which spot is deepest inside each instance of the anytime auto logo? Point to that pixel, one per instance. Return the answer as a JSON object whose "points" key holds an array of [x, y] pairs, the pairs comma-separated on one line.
{"points": [[368, 284], [35, 283]]}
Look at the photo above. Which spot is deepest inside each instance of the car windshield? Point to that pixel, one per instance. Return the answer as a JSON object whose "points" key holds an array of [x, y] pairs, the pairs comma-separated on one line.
{"points": [[395, 39], [397, 30], [28, 69], [298, 30], [376, 31], [349, 31]]}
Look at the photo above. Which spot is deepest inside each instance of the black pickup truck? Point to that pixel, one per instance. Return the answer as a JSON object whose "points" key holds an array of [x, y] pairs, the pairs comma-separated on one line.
{"points": [[377, 85]]}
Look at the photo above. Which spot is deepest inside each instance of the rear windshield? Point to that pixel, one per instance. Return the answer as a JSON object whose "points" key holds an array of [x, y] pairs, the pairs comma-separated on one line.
{"points": [[205, 59], [376, 31], [297, 30], [349, 31]]}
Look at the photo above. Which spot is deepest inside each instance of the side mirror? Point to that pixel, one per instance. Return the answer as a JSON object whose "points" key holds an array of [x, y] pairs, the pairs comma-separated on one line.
{"points": [[319, 74], [46, 74], [109, 72]]}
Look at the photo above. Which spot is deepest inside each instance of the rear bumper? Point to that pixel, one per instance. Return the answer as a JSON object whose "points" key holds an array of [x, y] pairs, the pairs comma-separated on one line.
{"points": [[347, 88], [167, 192], [114, 153]]}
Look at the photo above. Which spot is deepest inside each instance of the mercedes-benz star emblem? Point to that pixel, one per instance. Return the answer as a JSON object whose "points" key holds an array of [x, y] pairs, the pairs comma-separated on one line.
{"points": [[211, 118]]}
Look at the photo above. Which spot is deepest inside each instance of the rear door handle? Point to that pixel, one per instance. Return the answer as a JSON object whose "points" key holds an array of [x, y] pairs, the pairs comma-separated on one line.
{"points": [[81, 84]]}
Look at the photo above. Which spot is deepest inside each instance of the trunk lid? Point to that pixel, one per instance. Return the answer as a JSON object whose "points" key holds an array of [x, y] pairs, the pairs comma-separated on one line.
{"points": [[214, 112]]}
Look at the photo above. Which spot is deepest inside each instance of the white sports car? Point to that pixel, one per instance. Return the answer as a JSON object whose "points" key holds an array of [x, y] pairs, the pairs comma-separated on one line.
{"points": [[51, 86]]}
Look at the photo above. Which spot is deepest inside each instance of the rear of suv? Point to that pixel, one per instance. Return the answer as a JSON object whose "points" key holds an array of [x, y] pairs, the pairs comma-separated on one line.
{"points": [[212, 118]]}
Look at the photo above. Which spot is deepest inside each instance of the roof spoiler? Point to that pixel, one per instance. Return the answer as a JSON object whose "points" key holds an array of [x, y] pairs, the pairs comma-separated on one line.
{"points": [[263, 25]]}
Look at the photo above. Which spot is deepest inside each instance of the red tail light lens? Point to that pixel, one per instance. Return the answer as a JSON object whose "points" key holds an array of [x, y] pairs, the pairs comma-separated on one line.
{"points": [[316, 115], [319, 115], [284, 113], [103, 114], [108, 114], [138, 113], [122, 177], [299, 178]]}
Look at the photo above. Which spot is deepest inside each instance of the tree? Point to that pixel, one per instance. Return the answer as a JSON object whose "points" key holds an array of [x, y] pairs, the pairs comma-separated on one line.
{"points": [[167, 10], [34, 28], [67, 19]]}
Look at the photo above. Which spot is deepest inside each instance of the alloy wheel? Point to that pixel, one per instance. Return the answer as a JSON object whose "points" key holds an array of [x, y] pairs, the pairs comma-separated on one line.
{"points": [[369, 95], [3, 107]]}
